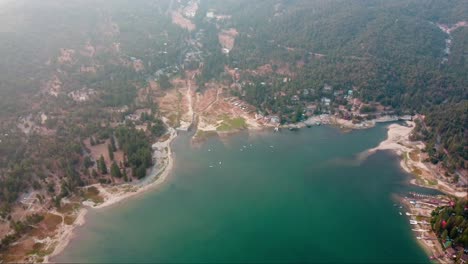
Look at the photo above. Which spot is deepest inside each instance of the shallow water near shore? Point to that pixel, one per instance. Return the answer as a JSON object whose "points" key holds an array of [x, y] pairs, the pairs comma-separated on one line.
{"points": [[262, 197]]}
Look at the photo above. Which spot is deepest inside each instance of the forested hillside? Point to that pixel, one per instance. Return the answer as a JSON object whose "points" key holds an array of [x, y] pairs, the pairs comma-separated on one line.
{"points": [[89, 87], [391, 52], [69, 80]]}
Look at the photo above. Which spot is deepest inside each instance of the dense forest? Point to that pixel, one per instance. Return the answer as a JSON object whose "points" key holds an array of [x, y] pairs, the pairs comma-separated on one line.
{"points": [[78, 46], [389, 52]]}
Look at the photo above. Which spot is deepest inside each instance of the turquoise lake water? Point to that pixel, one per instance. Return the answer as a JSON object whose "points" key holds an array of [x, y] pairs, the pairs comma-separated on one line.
{"points": [[262, 197]]}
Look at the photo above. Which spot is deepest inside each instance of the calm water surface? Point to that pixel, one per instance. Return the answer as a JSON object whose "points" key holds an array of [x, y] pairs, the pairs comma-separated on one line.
{"points": [[262, 197]]}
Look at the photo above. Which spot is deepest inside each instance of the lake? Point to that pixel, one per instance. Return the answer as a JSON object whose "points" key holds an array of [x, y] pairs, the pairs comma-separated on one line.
{"points": [[262, 197]]}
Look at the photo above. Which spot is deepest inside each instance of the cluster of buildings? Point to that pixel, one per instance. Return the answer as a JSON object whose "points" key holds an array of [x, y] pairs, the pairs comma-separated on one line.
{"points": [[236, 103], [82, 95], [421, 206]]}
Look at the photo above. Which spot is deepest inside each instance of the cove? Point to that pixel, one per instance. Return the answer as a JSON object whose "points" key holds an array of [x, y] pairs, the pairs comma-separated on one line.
{"points": [[262, 197]]}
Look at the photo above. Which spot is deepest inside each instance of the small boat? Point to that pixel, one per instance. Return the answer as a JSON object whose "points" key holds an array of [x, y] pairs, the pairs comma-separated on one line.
{"points": [[318, 123], [400, 213], [413, 222], [408, 214]]}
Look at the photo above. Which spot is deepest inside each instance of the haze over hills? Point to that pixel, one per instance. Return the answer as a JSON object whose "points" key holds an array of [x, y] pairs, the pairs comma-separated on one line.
{"points": [[87, 87]]}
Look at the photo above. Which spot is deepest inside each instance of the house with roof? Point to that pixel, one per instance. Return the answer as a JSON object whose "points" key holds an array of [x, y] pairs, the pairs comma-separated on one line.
{"points": [[326, 101], [310, 109], [274, 119], [327, 88]]}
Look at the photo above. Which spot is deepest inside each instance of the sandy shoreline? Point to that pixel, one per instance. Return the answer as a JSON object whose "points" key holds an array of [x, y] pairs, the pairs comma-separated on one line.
{"points": [[152, 181], [115, 195], [396, 141]]}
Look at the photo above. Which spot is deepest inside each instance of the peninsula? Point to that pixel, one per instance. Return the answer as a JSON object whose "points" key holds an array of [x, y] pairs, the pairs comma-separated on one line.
{"points": [[93, 95]]}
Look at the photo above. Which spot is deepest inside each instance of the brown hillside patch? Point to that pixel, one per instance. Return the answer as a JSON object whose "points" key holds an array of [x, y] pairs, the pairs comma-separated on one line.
{"points": [[66, 56], [227, 38], [208, 97], [181, 21], [102, 149], [50, 222]]}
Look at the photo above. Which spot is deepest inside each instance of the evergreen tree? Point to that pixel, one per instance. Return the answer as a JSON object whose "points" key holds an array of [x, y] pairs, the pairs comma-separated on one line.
{"points": [[111, 152], [112, 141], [125, 177], [102, 165], [115, 170]]}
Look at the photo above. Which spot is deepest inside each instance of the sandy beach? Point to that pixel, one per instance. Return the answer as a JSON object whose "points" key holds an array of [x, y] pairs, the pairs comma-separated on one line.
{"points": [[65, 234], [116, 194], [398, 141], [410, 152]]}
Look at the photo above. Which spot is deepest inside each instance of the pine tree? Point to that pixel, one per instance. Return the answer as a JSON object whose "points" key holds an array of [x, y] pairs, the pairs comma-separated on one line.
{"points": [[125, 177], [112, 141], [102, 165], [111, 152], [115, 171]]}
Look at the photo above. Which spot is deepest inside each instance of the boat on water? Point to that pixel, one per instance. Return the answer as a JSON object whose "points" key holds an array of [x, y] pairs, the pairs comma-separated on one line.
{"points": [[408, 214], [413, 222], [400, 213]]}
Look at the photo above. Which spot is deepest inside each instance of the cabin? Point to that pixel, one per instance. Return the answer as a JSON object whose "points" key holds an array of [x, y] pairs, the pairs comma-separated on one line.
{"points": [[327, 88], [274, 119], [310, 109], [210, 14], [326, 101]]}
